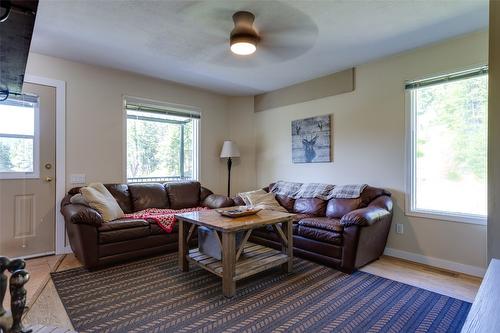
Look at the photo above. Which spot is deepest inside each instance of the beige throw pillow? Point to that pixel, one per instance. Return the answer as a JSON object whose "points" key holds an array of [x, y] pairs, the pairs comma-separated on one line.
{"points": [[99, 198], [78, 199], [261, 199]]}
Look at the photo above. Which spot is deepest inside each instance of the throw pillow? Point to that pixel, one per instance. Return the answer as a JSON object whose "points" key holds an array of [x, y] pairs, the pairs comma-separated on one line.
{"points": [[78, 199], [261, 199], [99, 198]]}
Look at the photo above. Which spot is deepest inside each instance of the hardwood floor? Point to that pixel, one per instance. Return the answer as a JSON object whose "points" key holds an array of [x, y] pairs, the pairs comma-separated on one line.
{"points": [[48, 309], [441, 281]]}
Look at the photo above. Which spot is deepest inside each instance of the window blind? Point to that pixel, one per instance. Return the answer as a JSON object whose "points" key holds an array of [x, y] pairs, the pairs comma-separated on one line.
{"points": [[20, 100], [446, 78], [161, 110]]}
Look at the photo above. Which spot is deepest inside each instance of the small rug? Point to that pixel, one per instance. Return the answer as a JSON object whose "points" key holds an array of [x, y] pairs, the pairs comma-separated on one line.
{"points": [[153, 295]]}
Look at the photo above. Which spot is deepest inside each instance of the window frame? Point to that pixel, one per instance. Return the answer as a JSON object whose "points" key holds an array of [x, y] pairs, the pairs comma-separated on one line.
{"points": [[410, 177], [35, 174], [168, 106]]}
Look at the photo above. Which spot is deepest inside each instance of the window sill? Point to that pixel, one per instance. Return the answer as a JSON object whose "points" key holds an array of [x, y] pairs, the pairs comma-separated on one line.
{"points": [[142, 180], [458, 218]]}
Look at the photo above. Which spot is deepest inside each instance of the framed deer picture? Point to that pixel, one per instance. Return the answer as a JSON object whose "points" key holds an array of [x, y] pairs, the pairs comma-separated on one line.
{"points": [[311, 139]]}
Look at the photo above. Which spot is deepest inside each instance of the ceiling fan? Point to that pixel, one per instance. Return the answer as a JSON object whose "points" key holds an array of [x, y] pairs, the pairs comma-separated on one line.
{"points": [[263, 32], [244, 37]]}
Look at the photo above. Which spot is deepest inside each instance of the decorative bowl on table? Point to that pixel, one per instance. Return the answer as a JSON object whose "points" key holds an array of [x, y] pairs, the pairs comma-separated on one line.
{"points": [[239, 211]]}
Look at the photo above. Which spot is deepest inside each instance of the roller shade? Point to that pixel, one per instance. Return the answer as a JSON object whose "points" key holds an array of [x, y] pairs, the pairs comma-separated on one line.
{"points": [[133, 104], [446, 78], [20, 100]]}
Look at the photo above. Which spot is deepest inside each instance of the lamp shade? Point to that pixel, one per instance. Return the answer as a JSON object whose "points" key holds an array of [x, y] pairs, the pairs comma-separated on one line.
{"points": [[229, 149]]}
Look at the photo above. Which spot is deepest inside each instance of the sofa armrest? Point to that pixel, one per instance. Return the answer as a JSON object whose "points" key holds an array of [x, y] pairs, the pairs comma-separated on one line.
{"points": [[238, 201], [80, 214], [377, 210], [364, 216], [204, 193], [217, 201]]}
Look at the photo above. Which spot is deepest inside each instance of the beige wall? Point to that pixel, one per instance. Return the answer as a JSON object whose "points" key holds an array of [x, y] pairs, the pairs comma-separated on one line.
{"points": [[242, 131], [94, 117], [494, 133], [369, 144]]}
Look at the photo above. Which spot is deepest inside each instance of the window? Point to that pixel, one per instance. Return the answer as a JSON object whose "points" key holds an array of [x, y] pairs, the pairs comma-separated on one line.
{"points": [[19, 137], [448, 147], [162, 142]]}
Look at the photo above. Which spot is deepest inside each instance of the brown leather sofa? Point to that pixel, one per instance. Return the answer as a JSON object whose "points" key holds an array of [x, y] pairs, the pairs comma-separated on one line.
{"points": [[98, 244], [342, 233]]}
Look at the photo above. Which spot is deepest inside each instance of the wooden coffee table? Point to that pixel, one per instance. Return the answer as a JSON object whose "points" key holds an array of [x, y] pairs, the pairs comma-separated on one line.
{"points": [[236, 264]]}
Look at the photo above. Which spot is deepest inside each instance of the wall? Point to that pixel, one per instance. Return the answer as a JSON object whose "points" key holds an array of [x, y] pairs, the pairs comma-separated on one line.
{"points": [[369, 147], [242, 131], [494, 133], [94, 117]]}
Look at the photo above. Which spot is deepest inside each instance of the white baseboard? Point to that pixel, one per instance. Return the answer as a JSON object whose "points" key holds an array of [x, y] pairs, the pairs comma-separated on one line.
{"points": [[436, 262], [38, 255]]}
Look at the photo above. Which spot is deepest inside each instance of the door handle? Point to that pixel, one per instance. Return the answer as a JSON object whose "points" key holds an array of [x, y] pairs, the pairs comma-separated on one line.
{"points": [[48, 179]]}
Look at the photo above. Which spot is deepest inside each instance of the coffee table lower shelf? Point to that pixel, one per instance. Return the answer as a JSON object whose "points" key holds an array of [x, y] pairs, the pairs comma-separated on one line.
{"points": [[254, 259]]}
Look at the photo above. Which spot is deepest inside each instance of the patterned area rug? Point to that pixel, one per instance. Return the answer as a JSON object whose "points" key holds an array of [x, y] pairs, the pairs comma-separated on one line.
{"points": [[153, 295]]}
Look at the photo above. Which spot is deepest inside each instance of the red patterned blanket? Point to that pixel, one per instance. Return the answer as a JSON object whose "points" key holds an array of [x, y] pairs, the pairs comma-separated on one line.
{"points": [[163, 217]]}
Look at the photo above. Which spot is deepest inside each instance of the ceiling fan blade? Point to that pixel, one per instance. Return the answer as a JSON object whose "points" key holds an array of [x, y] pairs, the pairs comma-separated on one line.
{"points": [[287, 40], [209, 18]]}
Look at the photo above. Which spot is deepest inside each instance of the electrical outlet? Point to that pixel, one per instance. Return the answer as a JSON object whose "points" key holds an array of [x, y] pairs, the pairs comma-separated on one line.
{"points": [[77, 178], [399, 228]]}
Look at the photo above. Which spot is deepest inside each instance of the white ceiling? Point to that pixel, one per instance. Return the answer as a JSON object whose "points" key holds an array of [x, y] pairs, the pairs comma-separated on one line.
{"points": [[187, 41]]}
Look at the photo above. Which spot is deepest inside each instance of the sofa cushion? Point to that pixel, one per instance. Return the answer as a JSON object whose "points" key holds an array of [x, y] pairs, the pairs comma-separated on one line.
{"points": [[122, 195], [321, 235], [148, 196], [184, 195], [157, 230], [322, 229], [295, 220], [122, 224], [286, 202], [312, 206], [323, 223], [336, 208], [121, 230], [299, 217], [130, 248]]}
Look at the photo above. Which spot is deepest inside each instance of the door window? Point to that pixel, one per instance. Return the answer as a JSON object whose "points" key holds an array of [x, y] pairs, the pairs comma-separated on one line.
{"points": [[19, 147]]}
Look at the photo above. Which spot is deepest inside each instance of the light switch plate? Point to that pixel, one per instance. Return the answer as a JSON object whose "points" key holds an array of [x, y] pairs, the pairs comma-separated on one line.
{"points": [[399, 228], [77, 178]]}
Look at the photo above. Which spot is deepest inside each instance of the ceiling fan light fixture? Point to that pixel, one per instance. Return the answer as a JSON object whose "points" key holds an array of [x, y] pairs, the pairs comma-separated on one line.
{"points": [[244, 37], [243, 46]]}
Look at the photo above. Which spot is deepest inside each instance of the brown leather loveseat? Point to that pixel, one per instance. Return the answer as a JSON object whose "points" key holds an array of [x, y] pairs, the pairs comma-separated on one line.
{"points": [[96, 243], [342, 233]]}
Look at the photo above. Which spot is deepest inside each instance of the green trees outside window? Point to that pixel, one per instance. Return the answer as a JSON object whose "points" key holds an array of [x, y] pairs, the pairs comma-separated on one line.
{"points": [[451, 146], [159, 147]]}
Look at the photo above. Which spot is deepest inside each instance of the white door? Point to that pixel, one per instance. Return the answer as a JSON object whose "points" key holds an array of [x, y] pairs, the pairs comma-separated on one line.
{"points": [[27, 172]]}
